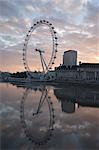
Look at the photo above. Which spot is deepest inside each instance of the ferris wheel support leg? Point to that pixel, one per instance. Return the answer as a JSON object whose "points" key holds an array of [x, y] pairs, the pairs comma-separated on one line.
{"points": [[45, 63], [42, 99], [42, 62]]}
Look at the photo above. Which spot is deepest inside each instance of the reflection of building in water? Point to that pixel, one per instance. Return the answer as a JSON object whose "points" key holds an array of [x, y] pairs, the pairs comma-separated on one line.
{"points": [[73, 97], [67, 106]]}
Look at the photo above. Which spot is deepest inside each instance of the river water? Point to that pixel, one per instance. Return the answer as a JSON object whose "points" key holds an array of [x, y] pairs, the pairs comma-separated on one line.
{"points": [[49, 117]]}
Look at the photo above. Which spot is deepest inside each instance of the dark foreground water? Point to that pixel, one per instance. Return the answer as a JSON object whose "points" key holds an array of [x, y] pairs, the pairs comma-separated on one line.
{"points": [[49, 118]]}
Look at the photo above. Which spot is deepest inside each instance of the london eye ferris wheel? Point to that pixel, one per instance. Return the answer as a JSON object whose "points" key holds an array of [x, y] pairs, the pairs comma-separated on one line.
{"points": [[40, 48]]}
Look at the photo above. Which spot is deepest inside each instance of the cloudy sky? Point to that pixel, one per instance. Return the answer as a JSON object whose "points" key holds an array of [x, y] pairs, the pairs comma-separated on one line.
{"points": [[76, 22]]}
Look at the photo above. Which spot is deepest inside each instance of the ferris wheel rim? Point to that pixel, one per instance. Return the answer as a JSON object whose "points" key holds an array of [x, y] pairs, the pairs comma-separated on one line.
{"points": [[46, 138], [54, 44]]}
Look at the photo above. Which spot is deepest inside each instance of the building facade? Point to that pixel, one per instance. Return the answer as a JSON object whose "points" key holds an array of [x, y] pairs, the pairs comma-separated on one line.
{"points": [[84, 71], [89, 71], [69, 70], [70, 58]]}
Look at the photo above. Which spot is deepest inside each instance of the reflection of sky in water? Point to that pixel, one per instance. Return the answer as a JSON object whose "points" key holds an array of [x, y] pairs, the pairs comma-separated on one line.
{"points": [[79, 130]]}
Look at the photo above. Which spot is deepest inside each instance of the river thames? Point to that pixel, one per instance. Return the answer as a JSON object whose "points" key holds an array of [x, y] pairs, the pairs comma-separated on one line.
{"points": [[49, 117]]}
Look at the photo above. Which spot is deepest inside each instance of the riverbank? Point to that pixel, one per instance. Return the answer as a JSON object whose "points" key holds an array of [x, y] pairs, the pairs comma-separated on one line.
{"points": [[31, 82]]}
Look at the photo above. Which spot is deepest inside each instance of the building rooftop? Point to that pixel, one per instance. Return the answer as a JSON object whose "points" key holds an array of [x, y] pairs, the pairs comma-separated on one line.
{"points": [[74, 67], [88, 65], [70, 51], [63, 67]]}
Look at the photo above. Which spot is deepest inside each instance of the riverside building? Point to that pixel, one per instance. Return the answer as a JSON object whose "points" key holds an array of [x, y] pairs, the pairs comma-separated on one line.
{"points": [[69, 70], [70, 58]]}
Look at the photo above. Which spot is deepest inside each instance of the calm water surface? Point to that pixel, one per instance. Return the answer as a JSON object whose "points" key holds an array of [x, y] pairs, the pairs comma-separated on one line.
{"points": [[49, 118]]}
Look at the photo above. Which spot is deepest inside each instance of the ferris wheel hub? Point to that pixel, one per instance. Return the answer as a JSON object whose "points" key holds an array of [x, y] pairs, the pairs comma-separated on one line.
{"points": [[40, 51]]}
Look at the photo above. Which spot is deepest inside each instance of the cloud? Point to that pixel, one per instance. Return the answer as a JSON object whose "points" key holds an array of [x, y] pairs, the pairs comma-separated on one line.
{"points": [[8, 9], [92, 14], [76, 23]]}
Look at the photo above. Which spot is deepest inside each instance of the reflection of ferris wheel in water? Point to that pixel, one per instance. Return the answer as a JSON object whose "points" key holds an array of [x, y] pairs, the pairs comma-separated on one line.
{"points": [[28, 117], [44, 65]]}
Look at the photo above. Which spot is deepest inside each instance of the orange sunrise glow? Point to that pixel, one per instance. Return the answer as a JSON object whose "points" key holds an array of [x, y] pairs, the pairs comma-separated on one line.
{"points": [[76, 24]]}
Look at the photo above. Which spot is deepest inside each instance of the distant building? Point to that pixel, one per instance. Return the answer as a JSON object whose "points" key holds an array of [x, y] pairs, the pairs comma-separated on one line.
{"points": [[83, 71], [66, 73], [70, 58], [71, 71], [89, 71], [50, 75], [4, 75]]}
